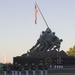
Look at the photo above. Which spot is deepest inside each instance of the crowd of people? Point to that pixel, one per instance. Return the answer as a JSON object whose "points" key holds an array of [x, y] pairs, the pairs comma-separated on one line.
{"points": [[18, 69]]}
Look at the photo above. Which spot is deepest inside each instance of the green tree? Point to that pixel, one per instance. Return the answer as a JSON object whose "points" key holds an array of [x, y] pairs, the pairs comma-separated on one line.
{"points": [[71, 51]]}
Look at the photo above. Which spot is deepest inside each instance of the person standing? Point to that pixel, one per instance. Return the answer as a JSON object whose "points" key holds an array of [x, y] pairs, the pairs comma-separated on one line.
{"points": [[33, 68], [16, 68], [5, 69], [41, 67], [46, 69], [19, 69], [12, 69], [26, 68]]}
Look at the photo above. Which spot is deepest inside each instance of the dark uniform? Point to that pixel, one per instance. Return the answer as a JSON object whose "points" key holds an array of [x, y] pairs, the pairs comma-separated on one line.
{"points": [[12, 69], [19, 69], [26, 68], [33, 68], [46, 69], [41, 67], [5, 69], [16, 69]]}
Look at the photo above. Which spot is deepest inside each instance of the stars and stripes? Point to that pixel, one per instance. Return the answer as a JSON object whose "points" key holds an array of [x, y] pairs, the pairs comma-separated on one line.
{"points": [[36, 10]]}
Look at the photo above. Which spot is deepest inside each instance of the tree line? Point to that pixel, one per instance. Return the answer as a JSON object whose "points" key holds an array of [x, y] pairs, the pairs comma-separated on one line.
{"points": [[71, 51]]}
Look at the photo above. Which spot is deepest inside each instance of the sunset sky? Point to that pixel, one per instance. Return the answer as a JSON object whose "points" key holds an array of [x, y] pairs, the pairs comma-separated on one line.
{"points": [[18, 32]]}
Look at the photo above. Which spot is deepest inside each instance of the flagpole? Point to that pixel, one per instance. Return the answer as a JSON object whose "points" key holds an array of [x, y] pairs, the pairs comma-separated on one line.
{"points": [[42, 15]]}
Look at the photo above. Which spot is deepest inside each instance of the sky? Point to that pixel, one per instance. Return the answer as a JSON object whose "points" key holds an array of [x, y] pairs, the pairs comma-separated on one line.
{"points": [[18, 32]]}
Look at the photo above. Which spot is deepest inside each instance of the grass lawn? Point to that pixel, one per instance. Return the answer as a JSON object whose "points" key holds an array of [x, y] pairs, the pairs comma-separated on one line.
{"points": [[61, 74], [1, 73]]}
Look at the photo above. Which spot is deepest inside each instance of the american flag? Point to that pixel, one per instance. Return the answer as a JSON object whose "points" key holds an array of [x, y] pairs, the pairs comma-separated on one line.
{"points": [[36, 10]]}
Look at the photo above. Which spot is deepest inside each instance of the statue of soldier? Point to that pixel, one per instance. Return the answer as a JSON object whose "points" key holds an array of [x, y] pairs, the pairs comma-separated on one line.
{"points": [[26, 68], [19, 69], [41, 68], [46, 68], [48, 42], [55, 41], [43, 35], [5, 69], [33, 68], [57, 44], [41, 42], [12, 69]]}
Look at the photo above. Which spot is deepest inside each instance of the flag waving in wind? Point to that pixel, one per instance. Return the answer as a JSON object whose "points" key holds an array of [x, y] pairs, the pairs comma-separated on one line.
{"points": [[36, 10]]}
